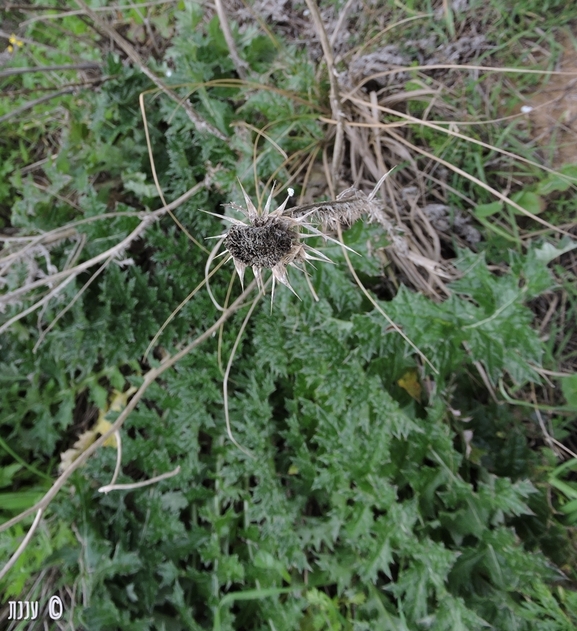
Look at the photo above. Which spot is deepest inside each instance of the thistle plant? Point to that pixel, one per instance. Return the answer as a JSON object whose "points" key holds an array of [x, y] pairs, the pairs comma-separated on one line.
{"points": [[275, 239]]}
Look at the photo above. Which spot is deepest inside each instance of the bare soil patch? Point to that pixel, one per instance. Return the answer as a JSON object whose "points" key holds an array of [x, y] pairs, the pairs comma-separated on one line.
{"points": [[554, 114]]}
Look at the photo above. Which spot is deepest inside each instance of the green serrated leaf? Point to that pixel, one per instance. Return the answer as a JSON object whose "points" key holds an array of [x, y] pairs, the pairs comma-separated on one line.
{"points": [[569, 388]]}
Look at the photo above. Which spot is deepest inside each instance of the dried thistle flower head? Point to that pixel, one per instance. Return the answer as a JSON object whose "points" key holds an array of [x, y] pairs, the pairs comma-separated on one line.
{"points": [[268, 240], [274, 239]]}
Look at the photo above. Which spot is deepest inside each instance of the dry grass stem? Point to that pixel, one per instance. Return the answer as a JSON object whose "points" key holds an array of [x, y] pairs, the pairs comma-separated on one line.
{"points": [[179, 308], [380, 310], [207, 273], [240, 65], [9, 72], [342, 17], [480, 183], [464, 67], [139, 485], [118, 458], [437, 127], [336, 109], [227, 374], [155, 175]]}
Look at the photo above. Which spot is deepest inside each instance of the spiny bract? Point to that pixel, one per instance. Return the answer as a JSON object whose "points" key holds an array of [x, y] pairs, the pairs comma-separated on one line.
{"points": [[269, 240], [273, 239]]}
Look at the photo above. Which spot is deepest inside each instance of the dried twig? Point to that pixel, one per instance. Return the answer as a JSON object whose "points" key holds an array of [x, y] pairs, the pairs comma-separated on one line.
{"points": [[380, 309], [113, 252], [15, 71], [240, 65], [139, 485], [336, 109], [47, 238], [35, 102]]}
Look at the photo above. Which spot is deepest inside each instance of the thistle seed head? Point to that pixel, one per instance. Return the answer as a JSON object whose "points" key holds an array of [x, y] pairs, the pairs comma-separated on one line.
{"points": [[266, 240], [274, 239], [263, 244]]}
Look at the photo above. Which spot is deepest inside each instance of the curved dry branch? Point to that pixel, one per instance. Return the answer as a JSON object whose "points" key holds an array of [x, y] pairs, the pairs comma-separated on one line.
{"points": [[149, 378], [227, 374], [113, 252], [139, 485], [23, 545]]}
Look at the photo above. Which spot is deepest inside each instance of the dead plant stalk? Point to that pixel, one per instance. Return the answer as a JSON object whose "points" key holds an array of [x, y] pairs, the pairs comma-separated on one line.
{"points": [[149, 378], [336, 109], [113, 252], [240, 65]]}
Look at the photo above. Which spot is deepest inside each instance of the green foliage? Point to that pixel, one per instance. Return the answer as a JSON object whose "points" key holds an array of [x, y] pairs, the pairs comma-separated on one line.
{"points": [[364, 508]]}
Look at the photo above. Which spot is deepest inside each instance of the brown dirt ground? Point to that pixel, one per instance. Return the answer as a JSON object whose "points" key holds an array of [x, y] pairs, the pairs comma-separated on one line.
{"points": [[554, 115]]}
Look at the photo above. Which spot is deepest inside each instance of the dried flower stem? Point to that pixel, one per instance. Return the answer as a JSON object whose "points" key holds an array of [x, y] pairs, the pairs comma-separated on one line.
{"points": [[155, 175], [336, 109], [180, 306], [149, 378], [139, 485]]}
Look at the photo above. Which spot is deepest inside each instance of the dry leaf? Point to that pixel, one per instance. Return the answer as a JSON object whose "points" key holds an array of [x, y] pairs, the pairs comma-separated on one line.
{"points": [[410, 382], [118, 402]]}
